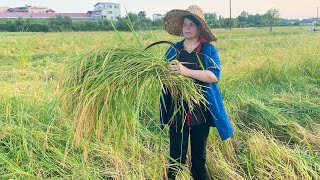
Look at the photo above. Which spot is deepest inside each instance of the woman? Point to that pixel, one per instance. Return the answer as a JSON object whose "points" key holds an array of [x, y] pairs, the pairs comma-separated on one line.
{"points": [[203, 65]]}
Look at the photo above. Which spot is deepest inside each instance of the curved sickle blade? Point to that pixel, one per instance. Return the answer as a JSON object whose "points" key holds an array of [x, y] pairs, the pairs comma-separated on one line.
{"points": [[163, 42]]}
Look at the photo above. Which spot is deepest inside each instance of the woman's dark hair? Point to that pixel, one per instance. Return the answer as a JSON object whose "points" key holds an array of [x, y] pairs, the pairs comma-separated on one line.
{"points": [[191, 18]]}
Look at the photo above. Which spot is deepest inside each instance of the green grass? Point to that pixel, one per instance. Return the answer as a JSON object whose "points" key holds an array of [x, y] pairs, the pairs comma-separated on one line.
{"points": [[270, 85]]}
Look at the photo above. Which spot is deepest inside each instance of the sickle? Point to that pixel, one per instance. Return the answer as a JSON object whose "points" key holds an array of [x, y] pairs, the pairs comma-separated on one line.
{"points": [[164, 42]]}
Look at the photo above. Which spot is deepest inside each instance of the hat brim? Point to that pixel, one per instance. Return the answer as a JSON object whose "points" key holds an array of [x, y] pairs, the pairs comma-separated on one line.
{"points": [[173, 26]]}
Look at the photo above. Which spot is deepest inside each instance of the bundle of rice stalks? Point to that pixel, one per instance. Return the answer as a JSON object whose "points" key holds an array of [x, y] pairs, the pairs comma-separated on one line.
{"points": [[106, 91]]}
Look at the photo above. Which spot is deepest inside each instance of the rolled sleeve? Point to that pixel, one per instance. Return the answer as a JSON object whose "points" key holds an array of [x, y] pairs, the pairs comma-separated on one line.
{"points": [[214, 62]]}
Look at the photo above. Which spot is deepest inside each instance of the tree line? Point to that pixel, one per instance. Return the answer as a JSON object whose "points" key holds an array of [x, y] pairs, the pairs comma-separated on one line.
{"points": [[61, 24], [269, 19], [137, 21]]}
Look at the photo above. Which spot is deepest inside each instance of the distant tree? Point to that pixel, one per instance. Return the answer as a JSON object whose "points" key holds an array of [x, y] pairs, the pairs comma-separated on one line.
{"points": [[243, 19], [158, 23], [296, 23], [255, 20], [133, 17], [60, 23], [271, 18], [142, 14], [212, 20], [144, 23], [85, 25], [105, 25], [122, 25], [3, 26], [137, 21], [19, 25], [37, 27], [235, 22], [228, 22]]}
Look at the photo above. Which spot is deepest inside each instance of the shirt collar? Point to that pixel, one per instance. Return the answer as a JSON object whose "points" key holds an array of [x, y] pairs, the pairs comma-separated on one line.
{"points": [[197, 49]]}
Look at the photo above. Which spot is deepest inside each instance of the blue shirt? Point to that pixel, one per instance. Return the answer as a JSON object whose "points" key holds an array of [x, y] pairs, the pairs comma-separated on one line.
{"points": [[212, 94]]}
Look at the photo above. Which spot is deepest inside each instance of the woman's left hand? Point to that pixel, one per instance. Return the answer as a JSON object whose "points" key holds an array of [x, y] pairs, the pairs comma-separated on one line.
{"points": [[179, 68]]}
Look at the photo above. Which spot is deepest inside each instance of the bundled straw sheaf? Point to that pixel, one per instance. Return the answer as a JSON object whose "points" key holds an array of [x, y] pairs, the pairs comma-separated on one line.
{"points": [[108, 90]]}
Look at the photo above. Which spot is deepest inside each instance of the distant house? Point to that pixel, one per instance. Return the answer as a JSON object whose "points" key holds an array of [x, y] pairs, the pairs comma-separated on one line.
{"points": [[38, 12], [157, 16], [15, 15], [50, 11], [106, 10], [30, 9], [18, 9], [309, 22], [102, 10], [288, 22]]}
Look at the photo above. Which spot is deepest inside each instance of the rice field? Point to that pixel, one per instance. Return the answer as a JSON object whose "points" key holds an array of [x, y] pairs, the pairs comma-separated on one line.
{"points": [[270, 84]]}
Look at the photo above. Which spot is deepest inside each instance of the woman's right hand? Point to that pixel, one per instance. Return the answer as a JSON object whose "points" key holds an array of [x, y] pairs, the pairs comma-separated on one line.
{"points": [[179, 68]]}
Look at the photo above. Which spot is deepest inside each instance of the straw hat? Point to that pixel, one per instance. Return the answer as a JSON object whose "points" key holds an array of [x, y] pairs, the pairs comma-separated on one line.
{"points": [[173, 18]]}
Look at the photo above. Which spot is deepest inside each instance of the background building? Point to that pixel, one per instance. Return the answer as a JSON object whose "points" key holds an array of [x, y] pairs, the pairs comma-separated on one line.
{"points": [[26, 9], [106, 10], [29, 9], [37, 12], [157, 16], [310, 22], [19, 9], [102, 10], [15, 15]]}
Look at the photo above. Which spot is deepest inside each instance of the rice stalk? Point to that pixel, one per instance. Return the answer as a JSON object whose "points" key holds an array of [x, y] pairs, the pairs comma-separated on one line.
{"points": [[112, 88]]}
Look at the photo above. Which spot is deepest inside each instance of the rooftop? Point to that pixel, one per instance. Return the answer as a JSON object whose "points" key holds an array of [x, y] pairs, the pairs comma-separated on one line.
{"points": [[106, 3], [42, 15], [17, 8], [38, 8]]}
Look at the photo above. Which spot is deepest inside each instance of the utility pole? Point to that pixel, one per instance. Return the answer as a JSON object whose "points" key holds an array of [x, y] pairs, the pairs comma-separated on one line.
{"points": [[230, 15], [317, 16]]}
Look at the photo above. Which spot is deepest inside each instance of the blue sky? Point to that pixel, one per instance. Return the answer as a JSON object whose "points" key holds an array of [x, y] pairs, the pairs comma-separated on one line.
{"points": [[288, 8]]}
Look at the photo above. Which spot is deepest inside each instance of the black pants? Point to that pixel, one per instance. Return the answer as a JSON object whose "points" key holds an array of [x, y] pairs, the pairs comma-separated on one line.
{"points": [[179, 146]]}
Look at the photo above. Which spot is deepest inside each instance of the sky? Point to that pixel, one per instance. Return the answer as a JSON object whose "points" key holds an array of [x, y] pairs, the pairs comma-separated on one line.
{"points": [[291, 9]]}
